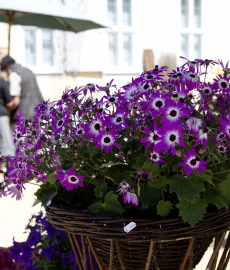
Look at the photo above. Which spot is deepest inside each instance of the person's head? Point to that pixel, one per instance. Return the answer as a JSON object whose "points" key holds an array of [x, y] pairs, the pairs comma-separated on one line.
{"points": [[6, 62]]}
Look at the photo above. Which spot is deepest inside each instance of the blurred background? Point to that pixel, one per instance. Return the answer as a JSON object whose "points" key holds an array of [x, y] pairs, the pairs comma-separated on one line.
{"points": [[140, 34]]}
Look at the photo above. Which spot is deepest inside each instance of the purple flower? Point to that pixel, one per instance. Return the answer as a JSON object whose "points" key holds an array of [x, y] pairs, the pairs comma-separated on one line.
{"points": [[153, 136], [222, 84], [156, 103], [123, 188], [70, 180], [191, 80], [108, 85], [34, 237], [130, 197], [118, 120], [172, 112], [48, 252], [206, 62], [26, 248], [170, 136], [65, 260], [222, 147], [202, 137], [106, 141], [15, 191], [191, 162], [193, 124], [95, 127], [155, 156]]}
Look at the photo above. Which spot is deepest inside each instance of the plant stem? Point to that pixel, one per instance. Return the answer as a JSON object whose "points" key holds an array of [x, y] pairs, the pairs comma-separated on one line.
{"points": [[218, 162]]}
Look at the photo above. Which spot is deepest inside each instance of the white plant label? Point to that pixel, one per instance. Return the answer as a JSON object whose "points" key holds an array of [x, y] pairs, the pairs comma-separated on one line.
{"points": [[49, 202], [130, 227]]}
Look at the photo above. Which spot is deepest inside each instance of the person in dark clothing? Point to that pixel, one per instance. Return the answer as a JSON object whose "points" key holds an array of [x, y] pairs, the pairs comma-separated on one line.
{"points": [[23, 88], [6, 142]]}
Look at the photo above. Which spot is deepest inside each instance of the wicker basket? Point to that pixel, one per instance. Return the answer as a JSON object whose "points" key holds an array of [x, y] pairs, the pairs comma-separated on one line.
{"points": [[165, 244]]}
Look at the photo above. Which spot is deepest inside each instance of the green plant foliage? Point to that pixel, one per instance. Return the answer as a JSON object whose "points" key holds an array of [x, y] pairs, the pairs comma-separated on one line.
{"points": [[224, 188], [187, 188], [99, 191], [111, 205], [192, 212], [164, 208]]}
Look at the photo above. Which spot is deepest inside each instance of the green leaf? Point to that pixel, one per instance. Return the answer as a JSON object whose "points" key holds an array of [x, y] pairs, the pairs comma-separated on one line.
{"points": [[93, 151], [99, 191], [141, 159], [149, 195], [51, 179], [163, 208], [192, 212], [171, 160], [95, 207], [224, 188], [152, 167], [160, 182], [186, 188], [113, 173], [48, 196], [111, 205], [36, 202], [213, 196]]}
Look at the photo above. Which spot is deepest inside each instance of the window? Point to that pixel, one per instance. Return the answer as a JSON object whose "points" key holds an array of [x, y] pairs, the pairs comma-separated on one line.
{"points": [[113, 49], [197, 46], [127, 13], [127, 48], [112, 12], [47, 47], [30, 47], [191, 29], [120, 35], [197, 13], [184, 13], [39, 49], [185, 46]]}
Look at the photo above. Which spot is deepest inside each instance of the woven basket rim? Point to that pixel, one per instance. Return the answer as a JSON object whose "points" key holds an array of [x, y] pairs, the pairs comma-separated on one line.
{"points": [[102, 225]]}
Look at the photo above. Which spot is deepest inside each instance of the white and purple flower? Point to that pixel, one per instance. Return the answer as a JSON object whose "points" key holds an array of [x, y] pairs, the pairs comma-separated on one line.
{"points": [[191, 162]]}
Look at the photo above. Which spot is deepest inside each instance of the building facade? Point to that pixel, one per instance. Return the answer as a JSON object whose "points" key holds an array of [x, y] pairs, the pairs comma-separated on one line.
{"points": [[169, 28]]}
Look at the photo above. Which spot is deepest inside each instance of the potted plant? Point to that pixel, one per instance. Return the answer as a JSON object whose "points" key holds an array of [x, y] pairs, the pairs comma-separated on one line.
{"points": [[154, 152]]}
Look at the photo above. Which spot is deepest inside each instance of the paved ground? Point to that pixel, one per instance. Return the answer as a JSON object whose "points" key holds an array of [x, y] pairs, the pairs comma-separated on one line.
{"points": [[14, 216]]}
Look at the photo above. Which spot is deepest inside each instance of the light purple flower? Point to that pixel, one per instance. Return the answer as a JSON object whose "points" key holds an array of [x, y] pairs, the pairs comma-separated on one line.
{"points": [[123, 188], [15, 191], [130, 197], [191, 162]]}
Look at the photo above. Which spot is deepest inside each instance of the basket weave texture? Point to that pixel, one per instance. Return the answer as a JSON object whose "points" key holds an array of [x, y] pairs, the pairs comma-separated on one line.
{"points": [[170, 236]]}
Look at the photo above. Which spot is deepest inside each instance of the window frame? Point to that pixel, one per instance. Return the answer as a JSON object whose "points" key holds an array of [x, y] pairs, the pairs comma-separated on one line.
{"points": [[191, 30], [40, 68], [121, 29]]}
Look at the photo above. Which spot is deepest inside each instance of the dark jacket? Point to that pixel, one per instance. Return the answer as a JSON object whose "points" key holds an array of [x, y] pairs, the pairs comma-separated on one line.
{"points": [[30, 92], [4, 97]]}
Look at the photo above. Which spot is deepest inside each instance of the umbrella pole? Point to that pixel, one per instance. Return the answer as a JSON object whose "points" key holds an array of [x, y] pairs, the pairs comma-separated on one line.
{"points": [[10, 22]]}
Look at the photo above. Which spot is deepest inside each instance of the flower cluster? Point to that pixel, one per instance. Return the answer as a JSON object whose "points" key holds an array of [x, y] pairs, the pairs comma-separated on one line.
{"points": [[147, 140], [45, 247]]}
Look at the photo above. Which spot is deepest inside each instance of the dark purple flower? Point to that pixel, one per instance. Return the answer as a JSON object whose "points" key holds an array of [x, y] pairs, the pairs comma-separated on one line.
{"points": [[34, 238], [48, 252]]}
